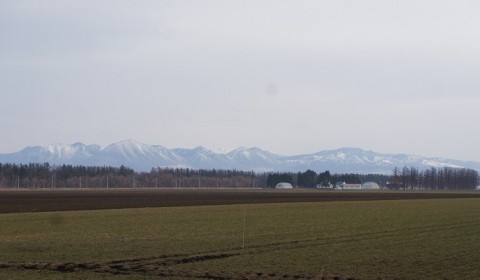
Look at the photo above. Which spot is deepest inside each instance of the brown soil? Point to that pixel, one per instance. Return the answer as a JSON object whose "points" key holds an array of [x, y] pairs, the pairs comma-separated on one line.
{"points": [[15, 201], [163, 267]]}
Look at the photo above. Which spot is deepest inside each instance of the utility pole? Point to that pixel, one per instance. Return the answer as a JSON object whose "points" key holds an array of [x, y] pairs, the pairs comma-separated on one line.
{"points": [[253, 180], [244, 226]]}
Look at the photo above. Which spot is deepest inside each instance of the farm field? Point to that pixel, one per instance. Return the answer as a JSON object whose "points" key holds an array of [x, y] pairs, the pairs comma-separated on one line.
{"points": [[42, 200], [352, 239]]}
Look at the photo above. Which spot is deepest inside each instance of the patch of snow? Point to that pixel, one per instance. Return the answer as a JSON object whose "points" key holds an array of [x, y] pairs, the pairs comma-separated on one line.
{"points": [[143, 157], [438, 164]]}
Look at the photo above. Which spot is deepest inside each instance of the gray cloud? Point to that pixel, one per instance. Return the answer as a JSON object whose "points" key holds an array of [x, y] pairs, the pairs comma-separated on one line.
{"points": [[288, 76]]}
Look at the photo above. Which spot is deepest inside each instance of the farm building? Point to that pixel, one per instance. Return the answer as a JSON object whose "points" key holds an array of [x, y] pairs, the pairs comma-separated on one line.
{"points": [[370, 186], [283, 185], [321, 186], [345, 186], [352, 186]]}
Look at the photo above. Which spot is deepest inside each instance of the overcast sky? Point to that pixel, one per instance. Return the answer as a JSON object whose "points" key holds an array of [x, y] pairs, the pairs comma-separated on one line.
{"points": [[291, 77]]}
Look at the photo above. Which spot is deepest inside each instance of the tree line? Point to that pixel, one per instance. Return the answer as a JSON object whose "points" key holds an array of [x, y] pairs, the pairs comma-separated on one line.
{"points": [[446, 178], [311, 179], [35, 175]]}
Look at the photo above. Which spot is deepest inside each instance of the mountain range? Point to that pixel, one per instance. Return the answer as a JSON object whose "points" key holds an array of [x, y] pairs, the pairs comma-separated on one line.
{"points": [[143, 157]]}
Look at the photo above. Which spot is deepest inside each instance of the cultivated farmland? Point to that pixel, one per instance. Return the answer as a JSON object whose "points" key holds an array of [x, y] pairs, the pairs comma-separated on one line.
{"points": [[351, 239]]}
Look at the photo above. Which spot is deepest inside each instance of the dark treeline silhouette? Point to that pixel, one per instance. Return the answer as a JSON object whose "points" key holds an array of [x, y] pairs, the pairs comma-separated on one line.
{"points": [[274, 178], [446, 178], [310, 179], [202, 178], [36, 175]]}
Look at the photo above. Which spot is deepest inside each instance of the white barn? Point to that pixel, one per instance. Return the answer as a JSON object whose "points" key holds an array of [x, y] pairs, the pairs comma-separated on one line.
{"points": [[283, 185], [345, 186], [370, 186]]}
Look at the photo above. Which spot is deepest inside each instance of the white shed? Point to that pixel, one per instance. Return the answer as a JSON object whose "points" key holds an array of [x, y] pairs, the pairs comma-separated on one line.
{"points": [[283, 185], [370, 186]]}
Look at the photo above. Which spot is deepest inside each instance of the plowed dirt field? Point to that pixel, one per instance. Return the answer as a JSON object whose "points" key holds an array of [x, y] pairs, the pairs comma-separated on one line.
{"points": [[16, 201]]}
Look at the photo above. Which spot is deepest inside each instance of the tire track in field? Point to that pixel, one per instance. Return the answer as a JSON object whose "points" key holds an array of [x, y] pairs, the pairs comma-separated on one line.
{"points": [[302, 243], [159, 267], [162, 265]]}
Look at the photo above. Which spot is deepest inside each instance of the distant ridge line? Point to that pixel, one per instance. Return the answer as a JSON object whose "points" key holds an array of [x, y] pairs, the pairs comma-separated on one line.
{"points": [[144, 157]]}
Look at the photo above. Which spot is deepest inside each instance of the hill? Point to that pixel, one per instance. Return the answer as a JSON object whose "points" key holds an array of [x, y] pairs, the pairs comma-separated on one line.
{"points": [[143, 157]]}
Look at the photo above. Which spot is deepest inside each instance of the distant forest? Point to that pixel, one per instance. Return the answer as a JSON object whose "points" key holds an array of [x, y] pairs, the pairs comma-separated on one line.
{"points": [[434, 178], [44, 175]]}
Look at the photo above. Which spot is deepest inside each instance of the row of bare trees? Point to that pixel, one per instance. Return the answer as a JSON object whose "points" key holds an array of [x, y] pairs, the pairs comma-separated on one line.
{"points": [[311, 179], [68, 176], [446, 178], [36, 175]]}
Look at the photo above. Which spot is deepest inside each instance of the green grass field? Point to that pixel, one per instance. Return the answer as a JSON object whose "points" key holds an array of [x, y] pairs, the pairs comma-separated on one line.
{"points": [[406, 239]]}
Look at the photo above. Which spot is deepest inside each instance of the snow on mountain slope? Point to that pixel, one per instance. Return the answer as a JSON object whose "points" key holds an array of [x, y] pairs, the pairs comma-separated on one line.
{"points": [[254, 159], [143, 157], [361, 161], [54, 153], [202, 158], [136, 155]]}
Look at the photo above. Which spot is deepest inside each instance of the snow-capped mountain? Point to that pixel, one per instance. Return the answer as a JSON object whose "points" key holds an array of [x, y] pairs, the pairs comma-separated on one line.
{"points": [[54, 154], [143, 157], [255, 159], [201, 158], [136, 155], [361, 161]]}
